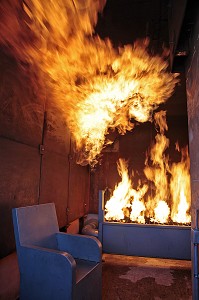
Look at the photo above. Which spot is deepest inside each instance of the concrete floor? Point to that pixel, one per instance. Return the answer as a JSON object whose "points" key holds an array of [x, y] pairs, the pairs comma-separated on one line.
{"points": [[123, 278], [132, 278]]}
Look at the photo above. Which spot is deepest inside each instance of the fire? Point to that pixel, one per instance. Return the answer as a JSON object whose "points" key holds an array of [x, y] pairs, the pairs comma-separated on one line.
{"points": [[120, 200], [94, 85], [125, 197], [161, 212], [137, 211], [171, 200], [180, 189], [97, 88], [156, 172]]}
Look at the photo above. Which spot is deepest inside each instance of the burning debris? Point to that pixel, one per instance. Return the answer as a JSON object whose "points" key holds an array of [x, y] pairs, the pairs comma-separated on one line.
{"points": [[170, 200], [96, 86]]}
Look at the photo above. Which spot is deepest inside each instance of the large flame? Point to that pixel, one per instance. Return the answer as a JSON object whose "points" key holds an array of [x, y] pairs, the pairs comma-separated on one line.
{"points": [[170, 200], [124, 197], [180, 189], [120, 200], [95, 86], [156, 172]]}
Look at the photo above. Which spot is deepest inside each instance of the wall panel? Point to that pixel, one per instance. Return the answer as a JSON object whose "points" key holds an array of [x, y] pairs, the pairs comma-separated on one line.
{"points": [[35, 150], [19, 183], [56, 135], [54, 163], [54, 183], [79, 185], [193, 114], [21, 105]]}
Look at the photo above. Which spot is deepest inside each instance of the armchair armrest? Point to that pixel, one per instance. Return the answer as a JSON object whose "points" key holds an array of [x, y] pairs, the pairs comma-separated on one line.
{"points": [[46, 273], [80, 246]]}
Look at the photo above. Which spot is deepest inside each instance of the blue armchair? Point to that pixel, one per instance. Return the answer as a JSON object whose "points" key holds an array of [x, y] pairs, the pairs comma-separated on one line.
{"points": [[54, 265]]}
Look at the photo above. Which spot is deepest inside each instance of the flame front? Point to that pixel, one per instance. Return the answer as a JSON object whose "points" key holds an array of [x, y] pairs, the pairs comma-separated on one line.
{"points": [[180, 189], [156, 172], [125, 197], [120, 200], [96, 86], [170, 202]]}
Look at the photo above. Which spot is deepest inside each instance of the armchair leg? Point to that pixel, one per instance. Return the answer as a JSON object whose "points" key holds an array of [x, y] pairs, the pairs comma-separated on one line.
{"points": [[90, 288]]}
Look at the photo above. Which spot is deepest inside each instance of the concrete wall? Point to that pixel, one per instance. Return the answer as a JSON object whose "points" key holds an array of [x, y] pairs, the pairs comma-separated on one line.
{"points": [[37, 163], [192, 83]]}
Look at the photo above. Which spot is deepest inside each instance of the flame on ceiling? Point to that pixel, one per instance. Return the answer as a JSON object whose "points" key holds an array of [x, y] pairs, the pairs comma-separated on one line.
{"points": [[96, 87]]}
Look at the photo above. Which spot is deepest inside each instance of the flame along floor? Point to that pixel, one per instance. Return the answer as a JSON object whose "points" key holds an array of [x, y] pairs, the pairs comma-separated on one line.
{"points": [[141, 278]]}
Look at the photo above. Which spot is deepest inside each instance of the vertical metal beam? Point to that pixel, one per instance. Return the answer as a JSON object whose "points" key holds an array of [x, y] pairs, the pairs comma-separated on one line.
{"points": [[68, 183], [195, 284], [101, 214], [41, 151]]}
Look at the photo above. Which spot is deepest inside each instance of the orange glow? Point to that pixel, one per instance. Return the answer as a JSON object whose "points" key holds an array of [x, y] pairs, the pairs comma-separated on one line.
{"points": [[171, 199], [157, 167], [180, 189], [95, 86], [98, 87], [124, 197], [120, 200]]}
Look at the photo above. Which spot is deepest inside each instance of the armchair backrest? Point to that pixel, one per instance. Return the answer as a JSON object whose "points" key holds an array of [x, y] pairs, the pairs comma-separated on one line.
{"points": [[36, 225]]}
